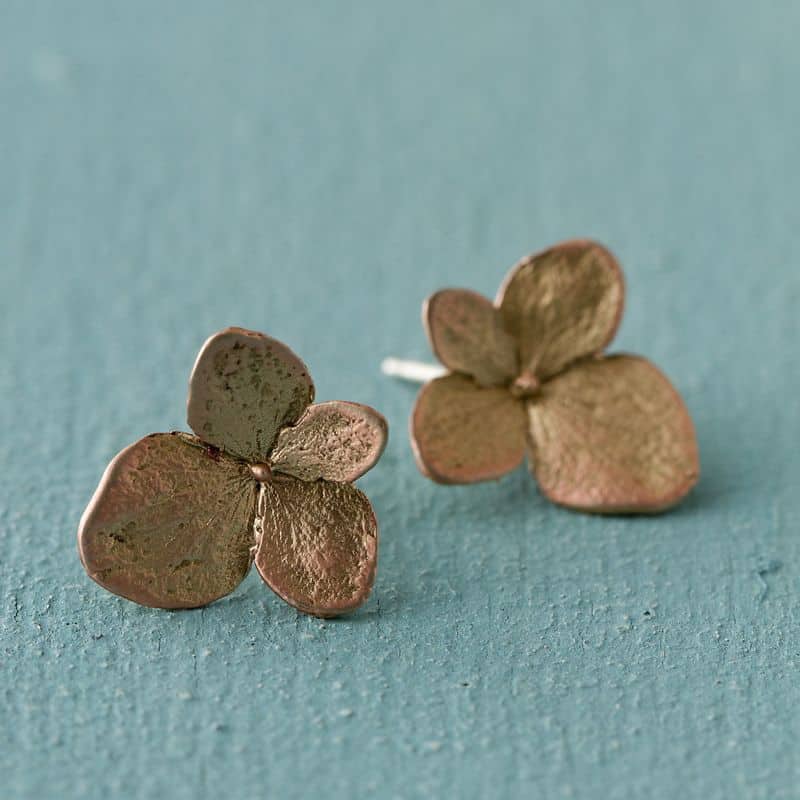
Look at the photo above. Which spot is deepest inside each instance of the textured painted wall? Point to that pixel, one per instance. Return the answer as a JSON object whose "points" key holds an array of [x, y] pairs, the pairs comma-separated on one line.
{"points": [[313, 171]]}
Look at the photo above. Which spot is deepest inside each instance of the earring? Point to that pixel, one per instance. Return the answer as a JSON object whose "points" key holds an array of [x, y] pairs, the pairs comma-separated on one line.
{"points": [[177, 519], [604, 433]]}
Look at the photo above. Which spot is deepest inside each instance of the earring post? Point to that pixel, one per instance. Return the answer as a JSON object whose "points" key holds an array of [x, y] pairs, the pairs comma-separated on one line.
{"points": [[413, 371]]}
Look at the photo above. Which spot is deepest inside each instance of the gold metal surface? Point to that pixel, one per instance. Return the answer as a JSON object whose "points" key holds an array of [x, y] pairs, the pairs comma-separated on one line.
{"points": [[317, 545], [243, 389], [561, 305], [605, 434], [171, 524], [174, 522], [467, 335], [464, 433], [337, 441], [612, 435]]}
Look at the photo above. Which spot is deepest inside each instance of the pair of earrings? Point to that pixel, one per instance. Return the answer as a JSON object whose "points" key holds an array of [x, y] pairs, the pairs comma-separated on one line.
{"points": [[268, 475]]}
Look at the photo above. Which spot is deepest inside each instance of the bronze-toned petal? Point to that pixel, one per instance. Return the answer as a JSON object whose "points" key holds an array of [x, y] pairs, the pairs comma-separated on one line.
{"points": [[612, 435], [467, 335], [244, 388], [318, 544], [562, 304], [337, 441], [464, 433], [171, 523]]}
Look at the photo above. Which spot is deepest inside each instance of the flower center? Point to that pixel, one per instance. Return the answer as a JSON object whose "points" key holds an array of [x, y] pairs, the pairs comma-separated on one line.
{"points": [[526, 385], [261, 472]]}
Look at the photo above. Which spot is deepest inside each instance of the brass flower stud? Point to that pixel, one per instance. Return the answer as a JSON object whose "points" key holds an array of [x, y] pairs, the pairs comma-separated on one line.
{"points": [[604, 433], [177, 519]]}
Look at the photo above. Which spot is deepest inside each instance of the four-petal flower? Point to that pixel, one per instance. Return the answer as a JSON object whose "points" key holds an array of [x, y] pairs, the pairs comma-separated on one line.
{"points": [[177, 519], [604, 433]]}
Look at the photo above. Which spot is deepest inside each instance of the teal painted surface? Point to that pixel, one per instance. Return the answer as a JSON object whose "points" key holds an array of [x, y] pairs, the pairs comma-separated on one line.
{"points": [[314, 171]]}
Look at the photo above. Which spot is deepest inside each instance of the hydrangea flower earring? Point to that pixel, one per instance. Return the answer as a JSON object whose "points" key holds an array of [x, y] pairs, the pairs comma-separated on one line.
{"points": [[178, 519], [603, 433]]}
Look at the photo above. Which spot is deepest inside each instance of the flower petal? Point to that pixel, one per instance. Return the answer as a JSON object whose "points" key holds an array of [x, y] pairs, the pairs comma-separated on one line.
{"points": [[337, 441], [612, 435], [244, 388], [463, 433], [318, 544], [467, 335], [562, 304], [171, 523]]}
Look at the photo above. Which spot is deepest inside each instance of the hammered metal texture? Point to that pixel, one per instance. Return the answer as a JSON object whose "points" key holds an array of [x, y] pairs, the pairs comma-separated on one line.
{"points": [[318, 544], [337, 441], [562, 304], [243, 389], [464, 433], [171, 523], [467, 335], [612, 435]]}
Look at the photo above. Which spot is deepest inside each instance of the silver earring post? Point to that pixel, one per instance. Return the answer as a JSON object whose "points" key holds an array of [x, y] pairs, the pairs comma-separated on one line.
{"points": [[413, 371]]}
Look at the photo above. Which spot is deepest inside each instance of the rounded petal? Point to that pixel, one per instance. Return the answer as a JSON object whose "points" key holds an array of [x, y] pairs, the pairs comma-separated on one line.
{"points": [[171, 523], [318, 544], [463, 433], [243, 389], [612, 435], [467, 335], [337, 441], [562, 304]]}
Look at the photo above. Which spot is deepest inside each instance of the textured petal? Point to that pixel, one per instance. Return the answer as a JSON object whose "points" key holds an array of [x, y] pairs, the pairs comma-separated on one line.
{"points": [[612, 435], [171, 524], [318, 544], [337, 441], [467, 335], [244, 388], [463, 433], [562, 304]]}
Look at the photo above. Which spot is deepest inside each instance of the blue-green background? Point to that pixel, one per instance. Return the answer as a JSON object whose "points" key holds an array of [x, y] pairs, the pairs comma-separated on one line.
{"points": [[313, 170]]}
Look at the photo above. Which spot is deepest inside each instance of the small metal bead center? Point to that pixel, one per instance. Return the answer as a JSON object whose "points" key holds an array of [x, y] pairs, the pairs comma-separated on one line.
{"points": [[526, 385], [261, 472]]}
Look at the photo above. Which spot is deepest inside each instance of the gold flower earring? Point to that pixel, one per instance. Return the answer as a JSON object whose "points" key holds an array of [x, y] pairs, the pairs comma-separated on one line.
{"points": [[178, 519], [603, 433]]}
